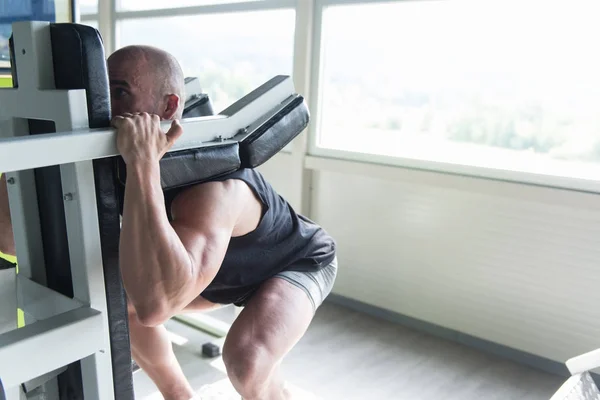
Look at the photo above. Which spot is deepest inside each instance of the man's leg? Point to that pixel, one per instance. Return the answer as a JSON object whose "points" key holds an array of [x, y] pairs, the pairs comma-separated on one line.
{"points": [[153, 352], [271, 324]]}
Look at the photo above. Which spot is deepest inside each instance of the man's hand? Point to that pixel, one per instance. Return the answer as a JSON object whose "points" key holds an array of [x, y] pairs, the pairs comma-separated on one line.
{"points": [[140, 138]]}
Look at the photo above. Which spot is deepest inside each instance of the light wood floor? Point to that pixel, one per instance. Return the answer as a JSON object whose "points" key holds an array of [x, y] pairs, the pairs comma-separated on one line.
{"points": [[347, 355]]}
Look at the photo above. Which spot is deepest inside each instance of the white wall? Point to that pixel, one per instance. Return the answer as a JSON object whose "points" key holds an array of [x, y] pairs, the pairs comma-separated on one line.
{"points": [[283, 173], [514, 264]]}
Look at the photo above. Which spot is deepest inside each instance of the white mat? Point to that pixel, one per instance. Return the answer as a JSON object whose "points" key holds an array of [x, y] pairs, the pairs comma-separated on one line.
{"points": [[223, 390]]}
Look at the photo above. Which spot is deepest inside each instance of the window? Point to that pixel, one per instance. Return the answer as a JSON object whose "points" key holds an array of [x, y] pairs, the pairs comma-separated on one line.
{"points": [[28, 10], [135, 5], [231, 54], [88, 7], [92, 23], [509, 84]]}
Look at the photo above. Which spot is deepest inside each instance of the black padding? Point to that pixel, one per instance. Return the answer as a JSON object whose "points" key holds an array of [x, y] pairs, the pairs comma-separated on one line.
{"points": [[275, 134], [198, 106], [188, 167], [79, 63], [196, 165], [5, 264], [13, 62]]}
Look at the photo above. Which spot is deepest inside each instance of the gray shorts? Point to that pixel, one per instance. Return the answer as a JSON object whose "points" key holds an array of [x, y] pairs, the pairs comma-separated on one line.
{"points": [[317, 285]]}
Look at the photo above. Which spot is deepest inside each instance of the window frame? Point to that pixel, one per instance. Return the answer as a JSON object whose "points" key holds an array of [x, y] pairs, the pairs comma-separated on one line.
{"points": [[307, 72]]}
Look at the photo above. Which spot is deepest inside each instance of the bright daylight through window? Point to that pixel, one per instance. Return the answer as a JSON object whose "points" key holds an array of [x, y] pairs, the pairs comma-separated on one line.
{"points": [[509, 84], [231, 54], [131, 5], [88, 7]]}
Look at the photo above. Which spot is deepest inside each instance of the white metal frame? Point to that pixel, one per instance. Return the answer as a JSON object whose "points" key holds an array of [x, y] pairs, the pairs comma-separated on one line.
{"points": [[73, 144], [86, 313]]}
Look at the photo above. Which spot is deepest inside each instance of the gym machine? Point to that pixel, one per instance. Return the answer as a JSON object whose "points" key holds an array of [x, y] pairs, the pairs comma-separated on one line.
{"points": [[65, 180]]}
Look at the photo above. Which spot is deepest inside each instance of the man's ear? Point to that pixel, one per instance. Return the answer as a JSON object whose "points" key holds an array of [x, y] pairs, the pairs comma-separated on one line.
{"points": [[171, 106]]}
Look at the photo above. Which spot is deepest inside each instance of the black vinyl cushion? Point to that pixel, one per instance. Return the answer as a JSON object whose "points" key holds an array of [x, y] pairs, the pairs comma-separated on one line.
{"points": [[192, 166], [79, 63], [274, 135], [180, 168]]}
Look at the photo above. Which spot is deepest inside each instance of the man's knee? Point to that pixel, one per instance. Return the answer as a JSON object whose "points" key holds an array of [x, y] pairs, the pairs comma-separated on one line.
{"points": [[249, 366]]}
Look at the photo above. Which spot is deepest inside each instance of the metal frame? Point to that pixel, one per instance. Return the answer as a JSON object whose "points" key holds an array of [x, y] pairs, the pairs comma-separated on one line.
{"points": [[85, 144], [51, 317]]}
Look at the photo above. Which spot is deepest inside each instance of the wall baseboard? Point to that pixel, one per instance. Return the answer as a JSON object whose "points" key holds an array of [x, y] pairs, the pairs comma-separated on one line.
{"points": [[485, 346]]}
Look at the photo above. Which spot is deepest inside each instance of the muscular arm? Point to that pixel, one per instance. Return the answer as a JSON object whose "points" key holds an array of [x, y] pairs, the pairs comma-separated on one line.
{"points": [[165, 266], [7, 240]]}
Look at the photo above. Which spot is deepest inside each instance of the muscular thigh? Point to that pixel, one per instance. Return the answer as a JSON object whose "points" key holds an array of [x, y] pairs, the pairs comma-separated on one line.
{"points": [[272, 322], [201, 304]]}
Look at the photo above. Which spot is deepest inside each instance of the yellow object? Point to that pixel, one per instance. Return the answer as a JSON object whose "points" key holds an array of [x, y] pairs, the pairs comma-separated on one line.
{"points": [[9, 258], [20, 318], [5, 81]]}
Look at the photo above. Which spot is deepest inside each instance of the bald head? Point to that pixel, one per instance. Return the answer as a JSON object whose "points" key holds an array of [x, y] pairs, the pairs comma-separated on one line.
{"points": [[146, 79]]}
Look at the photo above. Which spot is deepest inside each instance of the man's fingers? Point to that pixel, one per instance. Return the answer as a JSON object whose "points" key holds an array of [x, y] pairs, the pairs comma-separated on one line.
{"points": [[174, 132], [117, 122]]}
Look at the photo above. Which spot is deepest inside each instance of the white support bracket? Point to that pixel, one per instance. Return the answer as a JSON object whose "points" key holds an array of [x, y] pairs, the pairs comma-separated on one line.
{"points": [[35, 349]]}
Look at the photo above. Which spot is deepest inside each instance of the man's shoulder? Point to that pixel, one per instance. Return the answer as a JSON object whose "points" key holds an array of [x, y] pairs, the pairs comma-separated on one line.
{"points": [[227, 190]]}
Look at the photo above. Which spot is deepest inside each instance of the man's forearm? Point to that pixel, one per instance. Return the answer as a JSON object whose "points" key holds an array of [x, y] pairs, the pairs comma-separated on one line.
{"points": [[155, 265], [7, 240]]}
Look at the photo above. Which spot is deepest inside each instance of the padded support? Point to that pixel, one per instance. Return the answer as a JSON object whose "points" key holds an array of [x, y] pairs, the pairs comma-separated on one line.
{"points": [[275, 134], [249, 149], [192, 166], [198, 105], [79, 63]]}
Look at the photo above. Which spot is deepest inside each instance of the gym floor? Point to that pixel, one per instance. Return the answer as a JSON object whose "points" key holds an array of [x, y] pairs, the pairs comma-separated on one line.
{"points": [[350, 355]]}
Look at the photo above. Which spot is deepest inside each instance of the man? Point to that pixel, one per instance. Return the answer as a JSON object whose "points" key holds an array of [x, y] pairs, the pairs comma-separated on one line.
{"points": [[230, 240]]}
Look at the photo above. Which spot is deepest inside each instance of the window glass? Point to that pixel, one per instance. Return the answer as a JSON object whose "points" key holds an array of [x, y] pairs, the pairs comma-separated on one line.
{"points": [[27, 10], [92, 23], [513, 84], [231, 54], [87, 7], [134, 5]]}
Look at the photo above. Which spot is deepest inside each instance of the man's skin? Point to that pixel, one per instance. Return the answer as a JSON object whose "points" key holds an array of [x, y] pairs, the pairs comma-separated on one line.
{"points": [[165, 266], [7, 241]]}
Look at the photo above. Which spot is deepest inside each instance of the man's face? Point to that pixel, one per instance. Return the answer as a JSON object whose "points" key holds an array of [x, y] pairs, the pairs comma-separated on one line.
{"points": [[130, 88]]}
